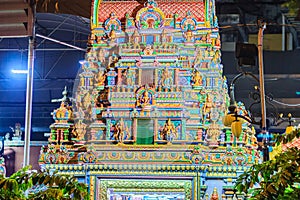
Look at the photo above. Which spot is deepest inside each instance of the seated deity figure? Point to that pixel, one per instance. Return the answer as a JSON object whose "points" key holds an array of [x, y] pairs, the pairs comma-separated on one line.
{"points": [[112, 35], [189, 35], [112, 60], [168, 132], [146, 99], [148, 50]]}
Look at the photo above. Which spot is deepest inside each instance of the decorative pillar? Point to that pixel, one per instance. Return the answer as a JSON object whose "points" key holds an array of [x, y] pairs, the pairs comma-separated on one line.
{"points": [[108, 124], [119, 77], [140, 76], [155, 129], [208, 82], [183, 129], [111, 78], [207, 13], [156, 77], [93, 134], [134, 127], [65, 135], [176, 76]]}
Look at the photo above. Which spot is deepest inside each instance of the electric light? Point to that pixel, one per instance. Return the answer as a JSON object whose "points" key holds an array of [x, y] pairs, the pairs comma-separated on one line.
{"points": [[19, 71]]}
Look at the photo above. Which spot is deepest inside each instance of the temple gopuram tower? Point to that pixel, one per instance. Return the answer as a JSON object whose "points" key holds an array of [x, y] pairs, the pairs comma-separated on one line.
{"points": [[145, 120]]}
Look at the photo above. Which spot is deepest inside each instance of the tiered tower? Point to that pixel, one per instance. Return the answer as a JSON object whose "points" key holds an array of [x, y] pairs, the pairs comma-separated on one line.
{"points": [[148, 106]]}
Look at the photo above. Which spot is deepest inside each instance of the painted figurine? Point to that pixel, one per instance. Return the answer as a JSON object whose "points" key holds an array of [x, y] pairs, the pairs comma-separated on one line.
{"points": [[197, 79], [168, 132]]}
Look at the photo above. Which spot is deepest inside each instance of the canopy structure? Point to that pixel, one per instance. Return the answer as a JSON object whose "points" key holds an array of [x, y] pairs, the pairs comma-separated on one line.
{"points": [[73, 7]]}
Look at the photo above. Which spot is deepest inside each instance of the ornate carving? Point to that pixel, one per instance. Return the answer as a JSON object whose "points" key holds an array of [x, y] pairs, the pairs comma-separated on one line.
{"points": [[56, 155]]}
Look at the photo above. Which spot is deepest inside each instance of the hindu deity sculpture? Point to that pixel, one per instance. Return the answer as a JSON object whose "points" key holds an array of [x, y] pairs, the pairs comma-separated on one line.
{"points": [[197, 79], [166, 78], [168, 132]]}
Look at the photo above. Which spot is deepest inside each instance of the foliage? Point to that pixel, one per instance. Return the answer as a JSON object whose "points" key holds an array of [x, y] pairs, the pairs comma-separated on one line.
{"points": [[44, 184], [274, 179], [293, 6]]}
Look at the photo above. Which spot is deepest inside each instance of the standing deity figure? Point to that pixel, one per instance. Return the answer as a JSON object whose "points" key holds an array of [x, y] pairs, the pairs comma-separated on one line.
{"points": [[135, 38], [17, 131], [119, 131], [80, 130], [197, 79], [100, 78], [166, 79], [168, 132], [216, 57], [164, 37], [86, 101], [207, 108], [101, 56], [129, 74], [198, 58]]}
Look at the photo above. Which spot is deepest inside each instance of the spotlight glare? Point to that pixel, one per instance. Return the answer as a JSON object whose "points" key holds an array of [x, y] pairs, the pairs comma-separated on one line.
{"points": [[81, 62], [19, 71]]}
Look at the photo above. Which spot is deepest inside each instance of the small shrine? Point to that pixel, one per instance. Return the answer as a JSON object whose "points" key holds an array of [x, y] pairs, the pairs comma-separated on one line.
{"points": [[145, 120]]}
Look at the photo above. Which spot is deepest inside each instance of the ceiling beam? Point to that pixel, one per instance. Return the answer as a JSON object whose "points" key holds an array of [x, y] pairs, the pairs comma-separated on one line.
{"points": [[16, 18]]}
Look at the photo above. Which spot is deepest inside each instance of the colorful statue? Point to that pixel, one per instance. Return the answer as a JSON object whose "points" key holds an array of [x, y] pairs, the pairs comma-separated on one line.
{"points": [[100, 78], [189, 35], [17, 131], [164, 37], [129, 75], [207, 107], [148, 50], [86, 101], [198, 58], [197, 79], [135, 38], [112, 35], [119, 131], [151, 3], [214, 195], [166, 79], [80, 129], [168, 132], [112, 60], [101, 56], [145, 99]]}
